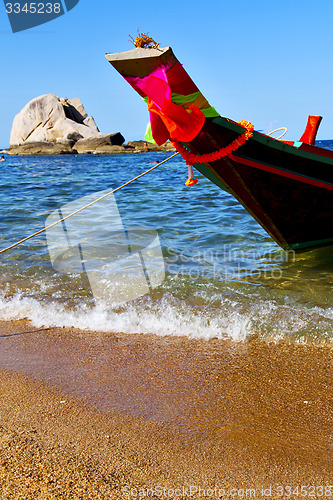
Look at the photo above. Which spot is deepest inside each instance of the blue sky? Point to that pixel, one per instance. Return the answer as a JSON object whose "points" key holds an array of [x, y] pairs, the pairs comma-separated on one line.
{"points": [[264, 61]]}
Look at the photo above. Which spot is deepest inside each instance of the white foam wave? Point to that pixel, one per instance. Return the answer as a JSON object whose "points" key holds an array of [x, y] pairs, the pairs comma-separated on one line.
{"points": [[168, 317], [175, 317]]}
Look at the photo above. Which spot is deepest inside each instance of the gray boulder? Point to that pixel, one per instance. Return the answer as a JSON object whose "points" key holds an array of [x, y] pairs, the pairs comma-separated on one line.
{"points": [[95, 143], [90, 122], [50, 120], [76, 103]]}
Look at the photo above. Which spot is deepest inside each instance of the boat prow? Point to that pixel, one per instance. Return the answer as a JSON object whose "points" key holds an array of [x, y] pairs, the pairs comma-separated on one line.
{"points": [[139, 62], [286, 186]]}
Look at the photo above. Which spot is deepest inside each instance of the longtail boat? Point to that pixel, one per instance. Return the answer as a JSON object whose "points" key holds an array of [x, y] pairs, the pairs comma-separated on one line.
{"points": [[286, 186]]}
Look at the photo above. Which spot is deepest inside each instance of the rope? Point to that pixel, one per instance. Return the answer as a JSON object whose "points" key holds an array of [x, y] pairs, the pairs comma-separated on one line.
{"points": [[192, 158], [276, 130], [86, 206]]}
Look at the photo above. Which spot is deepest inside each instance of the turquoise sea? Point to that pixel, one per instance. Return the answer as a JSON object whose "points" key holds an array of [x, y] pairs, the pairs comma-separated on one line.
{"points": [[224, 276]]}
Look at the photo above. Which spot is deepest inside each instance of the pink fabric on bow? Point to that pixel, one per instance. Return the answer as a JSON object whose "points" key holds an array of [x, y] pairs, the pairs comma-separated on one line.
{"points": [[168, 121]]}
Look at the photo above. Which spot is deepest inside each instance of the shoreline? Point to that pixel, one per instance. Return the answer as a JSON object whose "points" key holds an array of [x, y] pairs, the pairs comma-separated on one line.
{"points": [[88, 414], [55, 149]]}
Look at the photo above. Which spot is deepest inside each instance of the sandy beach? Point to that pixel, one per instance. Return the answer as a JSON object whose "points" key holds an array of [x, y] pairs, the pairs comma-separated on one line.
{"points": [[166, 243], [100, 415]]}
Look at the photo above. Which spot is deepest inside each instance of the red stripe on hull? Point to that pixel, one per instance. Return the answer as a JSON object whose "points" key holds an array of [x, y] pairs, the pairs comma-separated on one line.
{"points": [[278, 171]]}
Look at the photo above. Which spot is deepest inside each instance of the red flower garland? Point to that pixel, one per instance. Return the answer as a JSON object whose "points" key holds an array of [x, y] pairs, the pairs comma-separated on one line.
{"points": [[192, 158]]}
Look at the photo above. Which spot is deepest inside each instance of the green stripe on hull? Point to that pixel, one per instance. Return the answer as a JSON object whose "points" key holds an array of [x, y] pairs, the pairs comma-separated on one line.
{"points": [[310, 244], [273, 143]]}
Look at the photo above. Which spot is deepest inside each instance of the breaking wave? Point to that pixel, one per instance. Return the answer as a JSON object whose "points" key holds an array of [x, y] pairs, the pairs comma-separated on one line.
{"points": [[220, 317]]}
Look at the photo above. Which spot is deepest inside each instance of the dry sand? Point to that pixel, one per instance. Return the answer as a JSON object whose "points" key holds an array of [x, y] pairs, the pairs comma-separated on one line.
{"points": [[87, 415]]}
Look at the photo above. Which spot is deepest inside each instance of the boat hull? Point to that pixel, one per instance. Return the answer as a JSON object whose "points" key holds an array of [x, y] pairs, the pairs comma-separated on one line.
{"points": [[290, 193], [287, 188]]}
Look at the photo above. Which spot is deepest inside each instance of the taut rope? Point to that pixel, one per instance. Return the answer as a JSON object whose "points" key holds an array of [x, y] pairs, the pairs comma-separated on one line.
{"points": [[86, 206]]}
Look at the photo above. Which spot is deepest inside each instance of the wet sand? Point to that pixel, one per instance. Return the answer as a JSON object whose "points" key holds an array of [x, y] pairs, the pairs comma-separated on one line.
{"points": [[94, 415]]}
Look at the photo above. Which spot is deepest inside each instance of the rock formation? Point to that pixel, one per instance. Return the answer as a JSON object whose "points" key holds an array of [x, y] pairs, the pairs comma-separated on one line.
{"points": [[49, 125]]}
